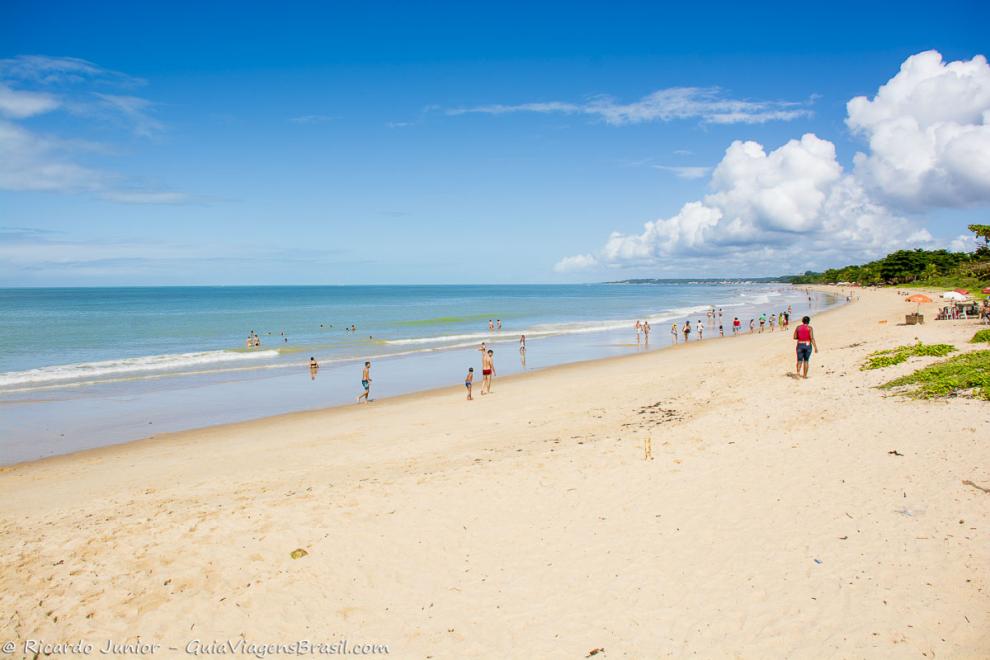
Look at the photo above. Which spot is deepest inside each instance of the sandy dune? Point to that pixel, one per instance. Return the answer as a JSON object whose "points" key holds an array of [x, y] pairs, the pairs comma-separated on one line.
{"points": [[773, 521]]}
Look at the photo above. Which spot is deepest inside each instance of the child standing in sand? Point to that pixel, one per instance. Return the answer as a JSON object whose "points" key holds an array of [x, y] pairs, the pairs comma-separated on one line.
{"points": [[469, 382], [365, 383]]}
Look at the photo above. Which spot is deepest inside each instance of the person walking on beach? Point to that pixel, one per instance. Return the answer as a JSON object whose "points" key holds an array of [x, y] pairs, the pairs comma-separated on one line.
{"points": [[498, 324], [646, 331], [687, 331], [487, 371], [365, 383], [721, 330], [639, 327], [805, 337], [522, 343], [469, 382], [751, 325], [736, 325], [701, 329], [763, 321], [491, 325], [674, 330]]}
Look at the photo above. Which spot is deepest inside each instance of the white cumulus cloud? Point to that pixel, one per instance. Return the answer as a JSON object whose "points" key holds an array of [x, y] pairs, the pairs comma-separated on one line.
{"points": [[928, 129], [776, 207], [795, 207]]}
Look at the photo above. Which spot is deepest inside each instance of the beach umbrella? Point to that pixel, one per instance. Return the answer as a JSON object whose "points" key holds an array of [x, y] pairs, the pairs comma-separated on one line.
{"points": [[953, 295], [918, 298], [986, 290], [965, 292]]}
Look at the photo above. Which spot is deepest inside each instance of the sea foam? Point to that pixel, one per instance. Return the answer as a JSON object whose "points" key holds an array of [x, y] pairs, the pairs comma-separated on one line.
{"points": [[134, 365]]}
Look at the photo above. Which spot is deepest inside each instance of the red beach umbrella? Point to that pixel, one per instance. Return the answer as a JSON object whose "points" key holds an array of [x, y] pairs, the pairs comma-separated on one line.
{"points": [[965, 292], [986, 290]]}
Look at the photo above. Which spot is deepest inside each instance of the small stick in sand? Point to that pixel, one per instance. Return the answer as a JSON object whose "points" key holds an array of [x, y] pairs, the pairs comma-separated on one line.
{"points": [[648, 449]]}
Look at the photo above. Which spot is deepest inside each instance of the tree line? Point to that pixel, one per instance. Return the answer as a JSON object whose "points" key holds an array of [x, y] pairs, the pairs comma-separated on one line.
{"points": [[906, 266]]}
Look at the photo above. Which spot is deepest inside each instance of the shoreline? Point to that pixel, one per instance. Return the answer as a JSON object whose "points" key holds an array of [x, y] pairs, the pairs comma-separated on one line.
{"points": [[771, 521], [423, 393], [66, 419]]}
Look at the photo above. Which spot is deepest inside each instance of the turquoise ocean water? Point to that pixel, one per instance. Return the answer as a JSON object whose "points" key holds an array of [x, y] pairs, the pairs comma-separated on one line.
{"points": [[85, 367]]}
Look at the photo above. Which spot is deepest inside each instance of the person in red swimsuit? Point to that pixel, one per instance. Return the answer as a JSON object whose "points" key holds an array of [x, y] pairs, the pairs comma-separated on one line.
{"points": [[487, 371], [805, 337]]}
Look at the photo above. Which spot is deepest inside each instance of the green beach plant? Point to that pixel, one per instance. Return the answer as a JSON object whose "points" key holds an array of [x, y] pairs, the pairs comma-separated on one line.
{"points": [[981, 337], [962, 373], [892, 356]]}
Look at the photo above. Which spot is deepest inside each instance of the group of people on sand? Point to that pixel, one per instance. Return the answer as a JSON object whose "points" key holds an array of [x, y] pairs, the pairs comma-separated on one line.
{"points": [[803, 335], [487, 369], [773, 321], [770, 321], [487, 373]]}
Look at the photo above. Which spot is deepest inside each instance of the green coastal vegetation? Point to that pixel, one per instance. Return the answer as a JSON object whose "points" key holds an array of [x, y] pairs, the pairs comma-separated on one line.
{"points": [[917, 268], [892, 356], [969, 372], [981, 337]]}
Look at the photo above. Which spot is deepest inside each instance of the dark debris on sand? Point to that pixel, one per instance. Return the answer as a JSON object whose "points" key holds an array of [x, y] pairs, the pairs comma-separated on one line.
{"points": [[656, 414]]}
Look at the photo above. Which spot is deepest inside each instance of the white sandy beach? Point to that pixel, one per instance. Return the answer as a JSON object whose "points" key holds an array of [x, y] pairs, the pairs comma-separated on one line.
{"points": [[773, 521]]}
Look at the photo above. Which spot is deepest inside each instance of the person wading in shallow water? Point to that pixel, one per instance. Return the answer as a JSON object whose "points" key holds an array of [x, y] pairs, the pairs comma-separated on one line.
{"points": [[805, 337]]}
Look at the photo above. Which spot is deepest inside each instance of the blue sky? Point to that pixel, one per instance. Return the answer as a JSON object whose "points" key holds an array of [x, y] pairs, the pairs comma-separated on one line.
{"points": [[323, 143]]}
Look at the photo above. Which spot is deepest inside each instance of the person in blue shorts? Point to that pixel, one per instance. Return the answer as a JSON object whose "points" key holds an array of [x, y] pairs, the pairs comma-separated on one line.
{"points": [[805, 338], [365, 383]]}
